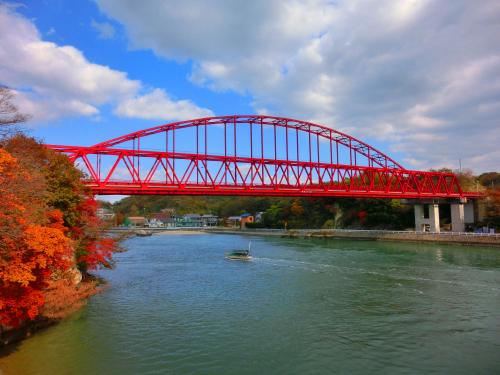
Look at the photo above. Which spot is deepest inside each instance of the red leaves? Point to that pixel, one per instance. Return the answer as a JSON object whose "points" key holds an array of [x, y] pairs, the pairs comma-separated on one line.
{"points": [[94, 251], [18, 304], [56, 221], [98, 253], [30, 252], [362, 216], [40, 196], [63, 298]]}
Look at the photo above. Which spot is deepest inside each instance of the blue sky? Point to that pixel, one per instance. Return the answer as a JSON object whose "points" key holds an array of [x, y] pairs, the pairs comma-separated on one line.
{"points": [[76, 24], [418, 79]]}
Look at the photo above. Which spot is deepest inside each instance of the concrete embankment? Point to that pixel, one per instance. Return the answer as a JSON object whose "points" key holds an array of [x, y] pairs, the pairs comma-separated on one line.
{"points": [[382, 235], [444, 237]]}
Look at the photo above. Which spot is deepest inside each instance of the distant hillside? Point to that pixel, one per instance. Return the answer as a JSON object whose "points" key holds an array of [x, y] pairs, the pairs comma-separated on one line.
{"points": [[310, 212]]}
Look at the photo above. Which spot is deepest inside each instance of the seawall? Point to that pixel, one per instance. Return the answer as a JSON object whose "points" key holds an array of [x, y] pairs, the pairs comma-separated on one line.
{"points": [[483, 239]]}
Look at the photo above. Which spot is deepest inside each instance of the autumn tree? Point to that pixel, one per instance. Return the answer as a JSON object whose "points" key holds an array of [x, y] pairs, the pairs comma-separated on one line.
{"points": [[65, 191], [10, 116], [492, 207], [48, 225], [490, 180], [33, 244]]}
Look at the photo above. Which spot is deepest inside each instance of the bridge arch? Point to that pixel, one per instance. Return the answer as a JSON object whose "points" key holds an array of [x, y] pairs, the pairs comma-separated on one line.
{"points": [[356, 148], [251, 155]]}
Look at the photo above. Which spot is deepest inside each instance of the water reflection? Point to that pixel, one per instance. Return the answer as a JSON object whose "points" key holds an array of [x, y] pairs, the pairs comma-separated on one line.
{"points": [[439, 255]]}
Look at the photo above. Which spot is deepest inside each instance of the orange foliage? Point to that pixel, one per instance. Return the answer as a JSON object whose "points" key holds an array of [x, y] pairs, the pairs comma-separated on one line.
{"points": [[296, 208], [29, 252], [492, 205], [63, 298], [49, 247], [48, 224]]}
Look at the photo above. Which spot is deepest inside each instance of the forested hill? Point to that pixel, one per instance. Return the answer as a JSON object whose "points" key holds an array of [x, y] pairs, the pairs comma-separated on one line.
{"points": [[295, 212], [221, 206], [309, 212]]}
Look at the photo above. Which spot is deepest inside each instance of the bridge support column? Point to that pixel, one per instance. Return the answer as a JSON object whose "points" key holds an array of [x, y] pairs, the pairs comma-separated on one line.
{"points": [[457, 217], [427, 218]]}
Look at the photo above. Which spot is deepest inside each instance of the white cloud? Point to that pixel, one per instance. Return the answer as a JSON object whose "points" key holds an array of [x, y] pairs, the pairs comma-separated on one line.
{"points": [[61, 81], [49, 109], [55, 81], [429, 71], [157, 105]]}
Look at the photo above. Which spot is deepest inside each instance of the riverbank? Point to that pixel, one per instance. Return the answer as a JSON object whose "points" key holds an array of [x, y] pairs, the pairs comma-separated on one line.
{"points": [[62, 299], [460, 238], [377, 235]]}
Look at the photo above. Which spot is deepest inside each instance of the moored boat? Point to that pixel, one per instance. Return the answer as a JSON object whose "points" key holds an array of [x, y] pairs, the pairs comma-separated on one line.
{"points": [[143, 233]]}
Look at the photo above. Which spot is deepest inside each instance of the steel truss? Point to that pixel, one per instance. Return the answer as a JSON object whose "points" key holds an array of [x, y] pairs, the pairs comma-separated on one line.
{"points": [[170, 172]]}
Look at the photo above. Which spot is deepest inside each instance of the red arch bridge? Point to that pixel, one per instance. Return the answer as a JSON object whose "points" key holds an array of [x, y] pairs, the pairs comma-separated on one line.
{"points": [[251, 155], [262, 156]]}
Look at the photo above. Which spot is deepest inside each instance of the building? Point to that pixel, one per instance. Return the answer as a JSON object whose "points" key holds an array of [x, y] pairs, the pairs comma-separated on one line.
{"points": [[245, 219], [233, 221], [105, 214], [239, 221], [165, 218], [135, 221], [169, 219], [209, 220], [155, 223], [197, 220], [191, 220]]}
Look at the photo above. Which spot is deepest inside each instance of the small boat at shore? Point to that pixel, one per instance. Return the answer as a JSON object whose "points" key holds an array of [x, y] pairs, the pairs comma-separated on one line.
{"points": [[143, 233], [239, 254]]}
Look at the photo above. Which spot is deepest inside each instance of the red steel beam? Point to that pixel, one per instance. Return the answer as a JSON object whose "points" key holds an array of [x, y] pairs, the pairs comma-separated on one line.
{"points": [[354, 181], [257, 175]]}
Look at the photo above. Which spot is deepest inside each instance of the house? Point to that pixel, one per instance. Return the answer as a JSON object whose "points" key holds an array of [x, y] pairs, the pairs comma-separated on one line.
{"points": [[105, 214], [197, 220], [136, 221], [209, 220], [155, 223], [239, 221], [233, 221], [245, 219], [191, 220], [166, 218]]}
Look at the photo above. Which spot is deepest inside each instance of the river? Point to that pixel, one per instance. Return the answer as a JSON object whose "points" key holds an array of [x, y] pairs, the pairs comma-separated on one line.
{"points": [[174, 305]]}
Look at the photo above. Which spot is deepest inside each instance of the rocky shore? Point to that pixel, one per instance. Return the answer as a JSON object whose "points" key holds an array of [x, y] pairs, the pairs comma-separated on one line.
{"points": [[55, 310]]}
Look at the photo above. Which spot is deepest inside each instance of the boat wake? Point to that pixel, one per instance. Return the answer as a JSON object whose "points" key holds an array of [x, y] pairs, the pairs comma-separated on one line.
{"points": [[315, 267]]}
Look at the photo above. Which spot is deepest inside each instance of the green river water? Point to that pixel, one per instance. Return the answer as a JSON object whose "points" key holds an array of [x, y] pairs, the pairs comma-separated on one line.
{"points": [[174, 305]]}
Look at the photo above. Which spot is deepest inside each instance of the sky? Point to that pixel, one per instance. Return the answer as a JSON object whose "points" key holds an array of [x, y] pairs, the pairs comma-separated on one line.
{"points": [[420, 80]]}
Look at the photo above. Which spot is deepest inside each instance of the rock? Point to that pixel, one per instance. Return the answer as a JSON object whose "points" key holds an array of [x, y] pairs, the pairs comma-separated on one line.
{"points": [[76, 276]]}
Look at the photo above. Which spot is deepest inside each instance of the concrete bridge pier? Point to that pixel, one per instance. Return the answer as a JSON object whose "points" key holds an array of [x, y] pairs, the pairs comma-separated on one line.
{"points": [[427, 215], [427, 218], [462, 213], [457, 217]]}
